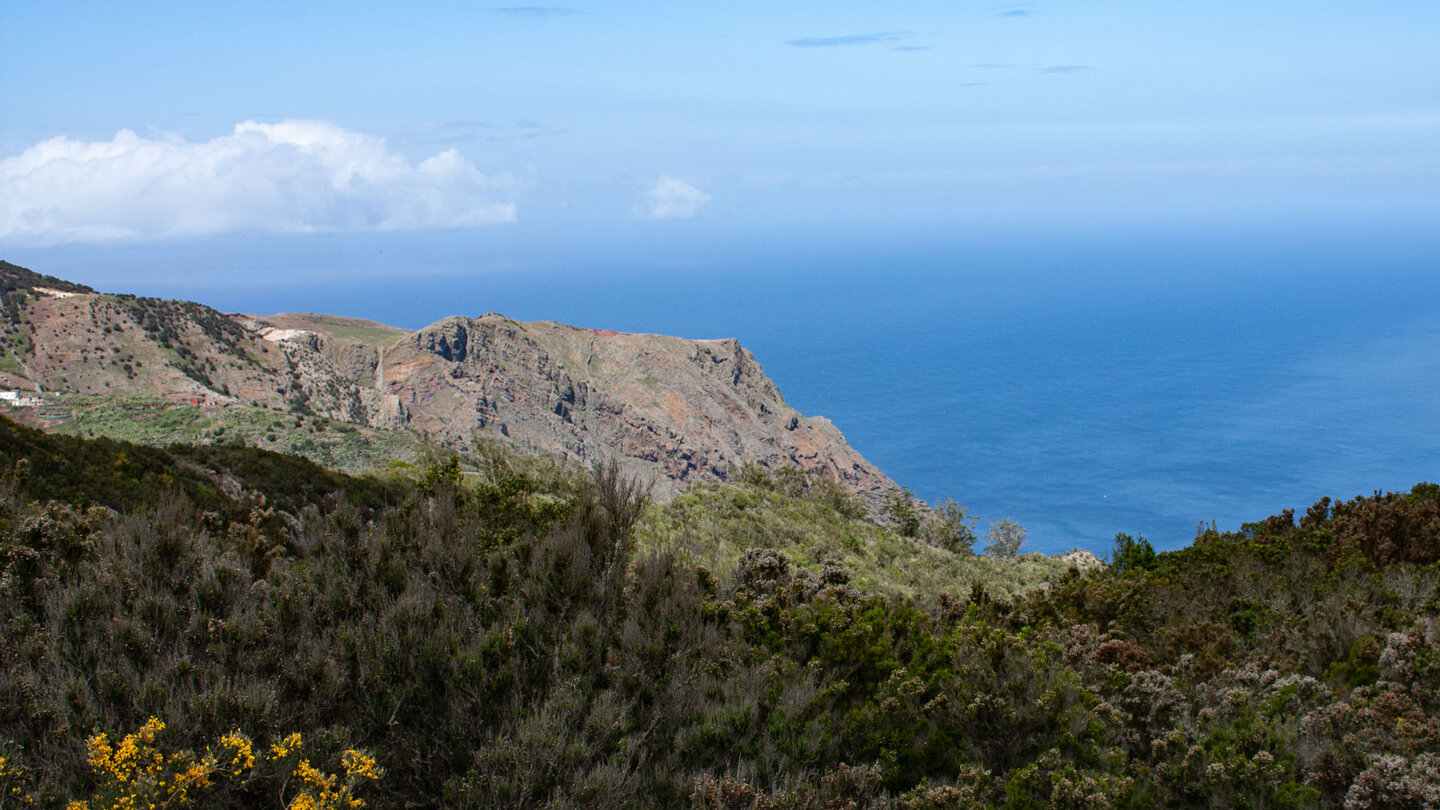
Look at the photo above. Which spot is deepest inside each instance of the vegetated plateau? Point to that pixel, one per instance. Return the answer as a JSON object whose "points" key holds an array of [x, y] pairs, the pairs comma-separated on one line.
{"points": [[219, 625]]}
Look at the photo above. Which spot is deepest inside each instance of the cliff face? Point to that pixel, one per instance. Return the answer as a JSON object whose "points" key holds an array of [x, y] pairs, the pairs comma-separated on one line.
{"points": [[669, 409], [678, 410]]}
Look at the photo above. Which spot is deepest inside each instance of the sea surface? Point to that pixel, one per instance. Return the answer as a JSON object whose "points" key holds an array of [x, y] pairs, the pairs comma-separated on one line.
{"points": [[1082, 387]]}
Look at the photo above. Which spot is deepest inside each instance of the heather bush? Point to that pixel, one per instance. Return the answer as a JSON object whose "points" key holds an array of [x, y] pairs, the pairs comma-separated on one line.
{"points": [[504, 640]]}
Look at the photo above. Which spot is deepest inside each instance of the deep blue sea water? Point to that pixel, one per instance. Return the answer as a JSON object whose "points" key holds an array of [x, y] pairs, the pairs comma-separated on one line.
{"points": [[1081, 387]]}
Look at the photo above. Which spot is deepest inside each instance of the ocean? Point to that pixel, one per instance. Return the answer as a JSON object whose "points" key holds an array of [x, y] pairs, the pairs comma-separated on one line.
{"points": [[1090, 389], [1081, 386]]}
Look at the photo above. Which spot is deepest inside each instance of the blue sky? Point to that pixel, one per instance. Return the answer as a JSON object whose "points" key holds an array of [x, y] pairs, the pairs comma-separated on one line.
{"points": [[650, 127]]}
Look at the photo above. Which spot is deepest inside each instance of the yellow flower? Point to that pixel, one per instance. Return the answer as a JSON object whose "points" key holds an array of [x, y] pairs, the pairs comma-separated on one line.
{"points": [[312, 776], [359, 766], [242, 752], [282, 749], [134, 773], [99, 753], [196, 775]]}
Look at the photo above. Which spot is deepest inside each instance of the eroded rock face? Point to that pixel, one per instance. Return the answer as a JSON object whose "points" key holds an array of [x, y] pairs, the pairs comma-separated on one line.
{"points": [[672, 410], [677, 410]]}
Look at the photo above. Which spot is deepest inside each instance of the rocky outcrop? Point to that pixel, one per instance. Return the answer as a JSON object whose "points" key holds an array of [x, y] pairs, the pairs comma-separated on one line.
{"points": [[671, 409]]}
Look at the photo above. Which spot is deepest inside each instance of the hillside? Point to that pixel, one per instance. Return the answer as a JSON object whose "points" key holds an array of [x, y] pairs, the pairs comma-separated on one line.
{"points": [[336, 444], [671, 410], [490, 641], [125, 476], [819, 529]]}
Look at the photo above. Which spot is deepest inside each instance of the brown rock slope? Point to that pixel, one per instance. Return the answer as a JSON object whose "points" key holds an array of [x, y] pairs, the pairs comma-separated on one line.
{"points": [[675, 410], [680, 410]]}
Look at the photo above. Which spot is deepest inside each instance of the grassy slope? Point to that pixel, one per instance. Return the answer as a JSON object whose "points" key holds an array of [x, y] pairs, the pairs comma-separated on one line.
{"points": [[715, 524], [331, 443], [123, 475]]}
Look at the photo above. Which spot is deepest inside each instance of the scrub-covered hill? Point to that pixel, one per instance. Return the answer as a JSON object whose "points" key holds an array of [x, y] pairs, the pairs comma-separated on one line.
{"points": [[498, 641]]}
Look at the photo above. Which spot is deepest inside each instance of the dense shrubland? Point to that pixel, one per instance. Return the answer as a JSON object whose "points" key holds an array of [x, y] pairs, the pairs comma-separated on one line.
{"points": [[123, 475], [505, 641]]}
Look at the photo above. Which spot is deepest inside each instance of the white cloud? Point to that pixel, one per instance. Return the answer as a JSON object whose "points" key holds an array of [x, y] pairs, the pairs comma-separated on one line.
{"points": [[672, 198], [289, 177]]}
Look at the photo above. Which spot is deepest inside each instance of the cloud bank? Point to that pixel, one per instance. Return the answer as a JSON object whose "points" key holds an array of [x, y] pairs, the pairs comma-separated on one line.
{"points": [[291, 177], [850, 39], [534, 11], [672, 198]]}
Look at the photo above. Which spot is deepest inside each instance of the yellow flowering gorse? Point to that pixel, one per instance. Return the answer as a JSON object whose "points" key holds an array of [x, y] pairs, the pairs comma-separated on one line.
{"points": [[136, 774], [12, 794], [242, 753], [322, 791], [282, 749]]}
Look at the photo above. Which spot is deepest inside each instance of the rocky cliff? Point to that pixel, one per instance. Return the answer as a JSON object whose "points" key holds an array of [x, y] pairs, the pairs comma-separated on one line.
{"points": [[673, 410], [681, 410]]}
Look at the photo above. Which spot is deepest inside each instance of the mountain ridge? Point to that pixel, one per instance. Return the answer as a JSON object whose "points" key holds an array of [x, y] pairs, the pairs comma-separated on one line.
{"points": [[673, 410]]}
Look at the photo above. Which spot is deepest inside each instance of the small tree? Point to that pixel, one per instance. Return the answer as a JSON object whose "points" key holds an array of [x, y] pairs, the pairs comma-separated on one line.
{"points": [[950, 526], [791, 482], [756, 476], [828, 490], [1005, 538], [900, 509], [1132, 553], [442, 476]]}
